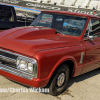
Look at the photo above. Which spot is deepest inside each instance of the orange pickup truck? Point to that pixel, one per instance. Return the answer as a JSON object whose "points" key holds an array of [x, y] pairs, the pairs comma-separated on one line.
{"points": [[58, 45]]}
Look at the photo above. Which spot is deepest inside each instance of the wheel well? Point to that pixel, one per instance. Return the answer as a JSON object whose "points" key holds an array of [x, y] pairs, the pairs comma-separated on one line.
{"points": [[70, 64], [71, 67]]}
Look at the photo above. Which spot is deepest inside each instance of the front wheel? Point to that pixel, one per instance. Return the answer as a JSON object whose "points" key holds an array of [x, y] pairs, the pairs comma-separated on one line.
{"points": [[59, 81]]}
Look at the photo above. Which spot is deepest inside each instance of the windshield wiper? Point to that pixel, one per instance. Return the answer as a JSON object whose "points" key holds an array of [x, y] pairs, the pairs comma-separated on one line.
{"points": [[58, 31]]}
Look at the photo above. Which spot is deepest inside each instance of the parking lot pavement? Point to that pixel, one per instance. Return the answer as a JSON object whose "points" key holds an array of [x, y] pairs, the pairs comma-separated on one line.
{"points": [[84, 87]]}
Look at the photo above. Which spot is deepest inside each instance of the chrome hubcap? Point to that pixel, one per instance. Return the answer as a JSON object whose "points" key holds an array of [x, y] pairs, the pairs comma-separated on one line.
{"points": [[60, 79]]}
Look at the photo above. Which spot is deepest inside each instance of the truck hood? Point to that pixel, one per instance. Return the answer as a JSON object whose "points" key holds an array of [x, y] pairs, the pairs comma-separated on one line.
{"points": [[29, 40]]}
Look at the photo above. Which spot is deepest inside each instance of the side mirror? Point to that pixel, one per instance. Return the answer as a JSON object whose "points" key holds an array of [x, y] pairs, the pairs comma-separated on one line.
{"points": [[91, 38]]}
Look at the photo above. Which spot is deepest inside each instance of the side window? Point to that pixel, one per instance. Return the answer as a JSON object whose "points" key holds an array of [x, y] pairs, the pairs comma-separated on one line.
{"points": [[6, 14], [95, 28]]}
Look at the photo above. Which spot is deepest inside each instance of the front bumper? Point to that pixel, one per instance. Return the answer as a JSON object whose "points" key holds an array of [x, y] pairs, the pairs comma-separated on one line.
{"points": [[32, 83]]}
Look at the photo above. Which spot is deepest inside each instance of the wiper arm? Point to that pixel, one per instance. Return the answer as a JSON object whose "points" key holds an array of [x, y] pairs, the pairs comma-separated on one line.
{"points": [[58, 31]]}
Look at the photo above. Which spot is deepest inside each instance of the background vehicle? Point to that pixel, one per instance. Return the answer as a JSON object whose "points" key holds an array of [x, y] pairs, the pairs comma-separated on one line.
{"points": [[8, 18]]}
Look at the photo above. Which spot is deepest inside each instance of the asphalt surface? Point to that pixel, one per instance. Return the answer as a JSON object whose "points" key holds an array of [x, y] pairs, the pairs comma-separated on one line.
{"points": [[84, 87]]}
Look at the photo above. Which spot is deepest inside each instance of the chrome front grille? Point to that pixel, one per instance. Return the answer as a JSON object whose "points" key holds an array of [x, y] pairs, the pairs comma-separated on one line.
{"points": [[16, 72], [8, 54], [8, 64], [6, 58]]}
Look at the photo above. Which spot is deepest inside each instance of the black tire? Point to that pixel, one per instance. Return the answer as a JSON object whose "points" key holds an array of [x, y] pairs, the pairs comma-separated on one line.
{"points": [[54, 89]]}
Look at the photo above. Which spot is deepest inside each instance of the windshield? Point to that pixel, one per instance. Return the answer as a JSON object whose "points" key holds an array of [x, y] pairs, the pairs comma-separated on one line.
{"points": [[65, 24]]}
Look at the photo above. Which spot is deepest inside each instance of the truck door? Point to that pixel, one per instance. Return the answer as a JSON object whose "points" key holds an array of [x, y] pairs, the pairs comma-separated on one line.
{"points": [[92, 46]]}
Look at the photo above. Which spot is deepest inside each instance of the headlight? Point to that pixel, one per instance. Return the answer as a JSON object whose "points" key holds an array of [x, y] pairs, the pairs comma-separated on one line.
{"points": [[22, 65], [28, 65]]}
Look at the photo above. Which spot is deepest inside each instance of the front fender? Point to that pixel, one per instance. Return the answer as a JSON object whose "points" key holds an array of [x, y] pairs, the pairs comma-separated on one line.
{"points": [[49, 60], [62, 60]]}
